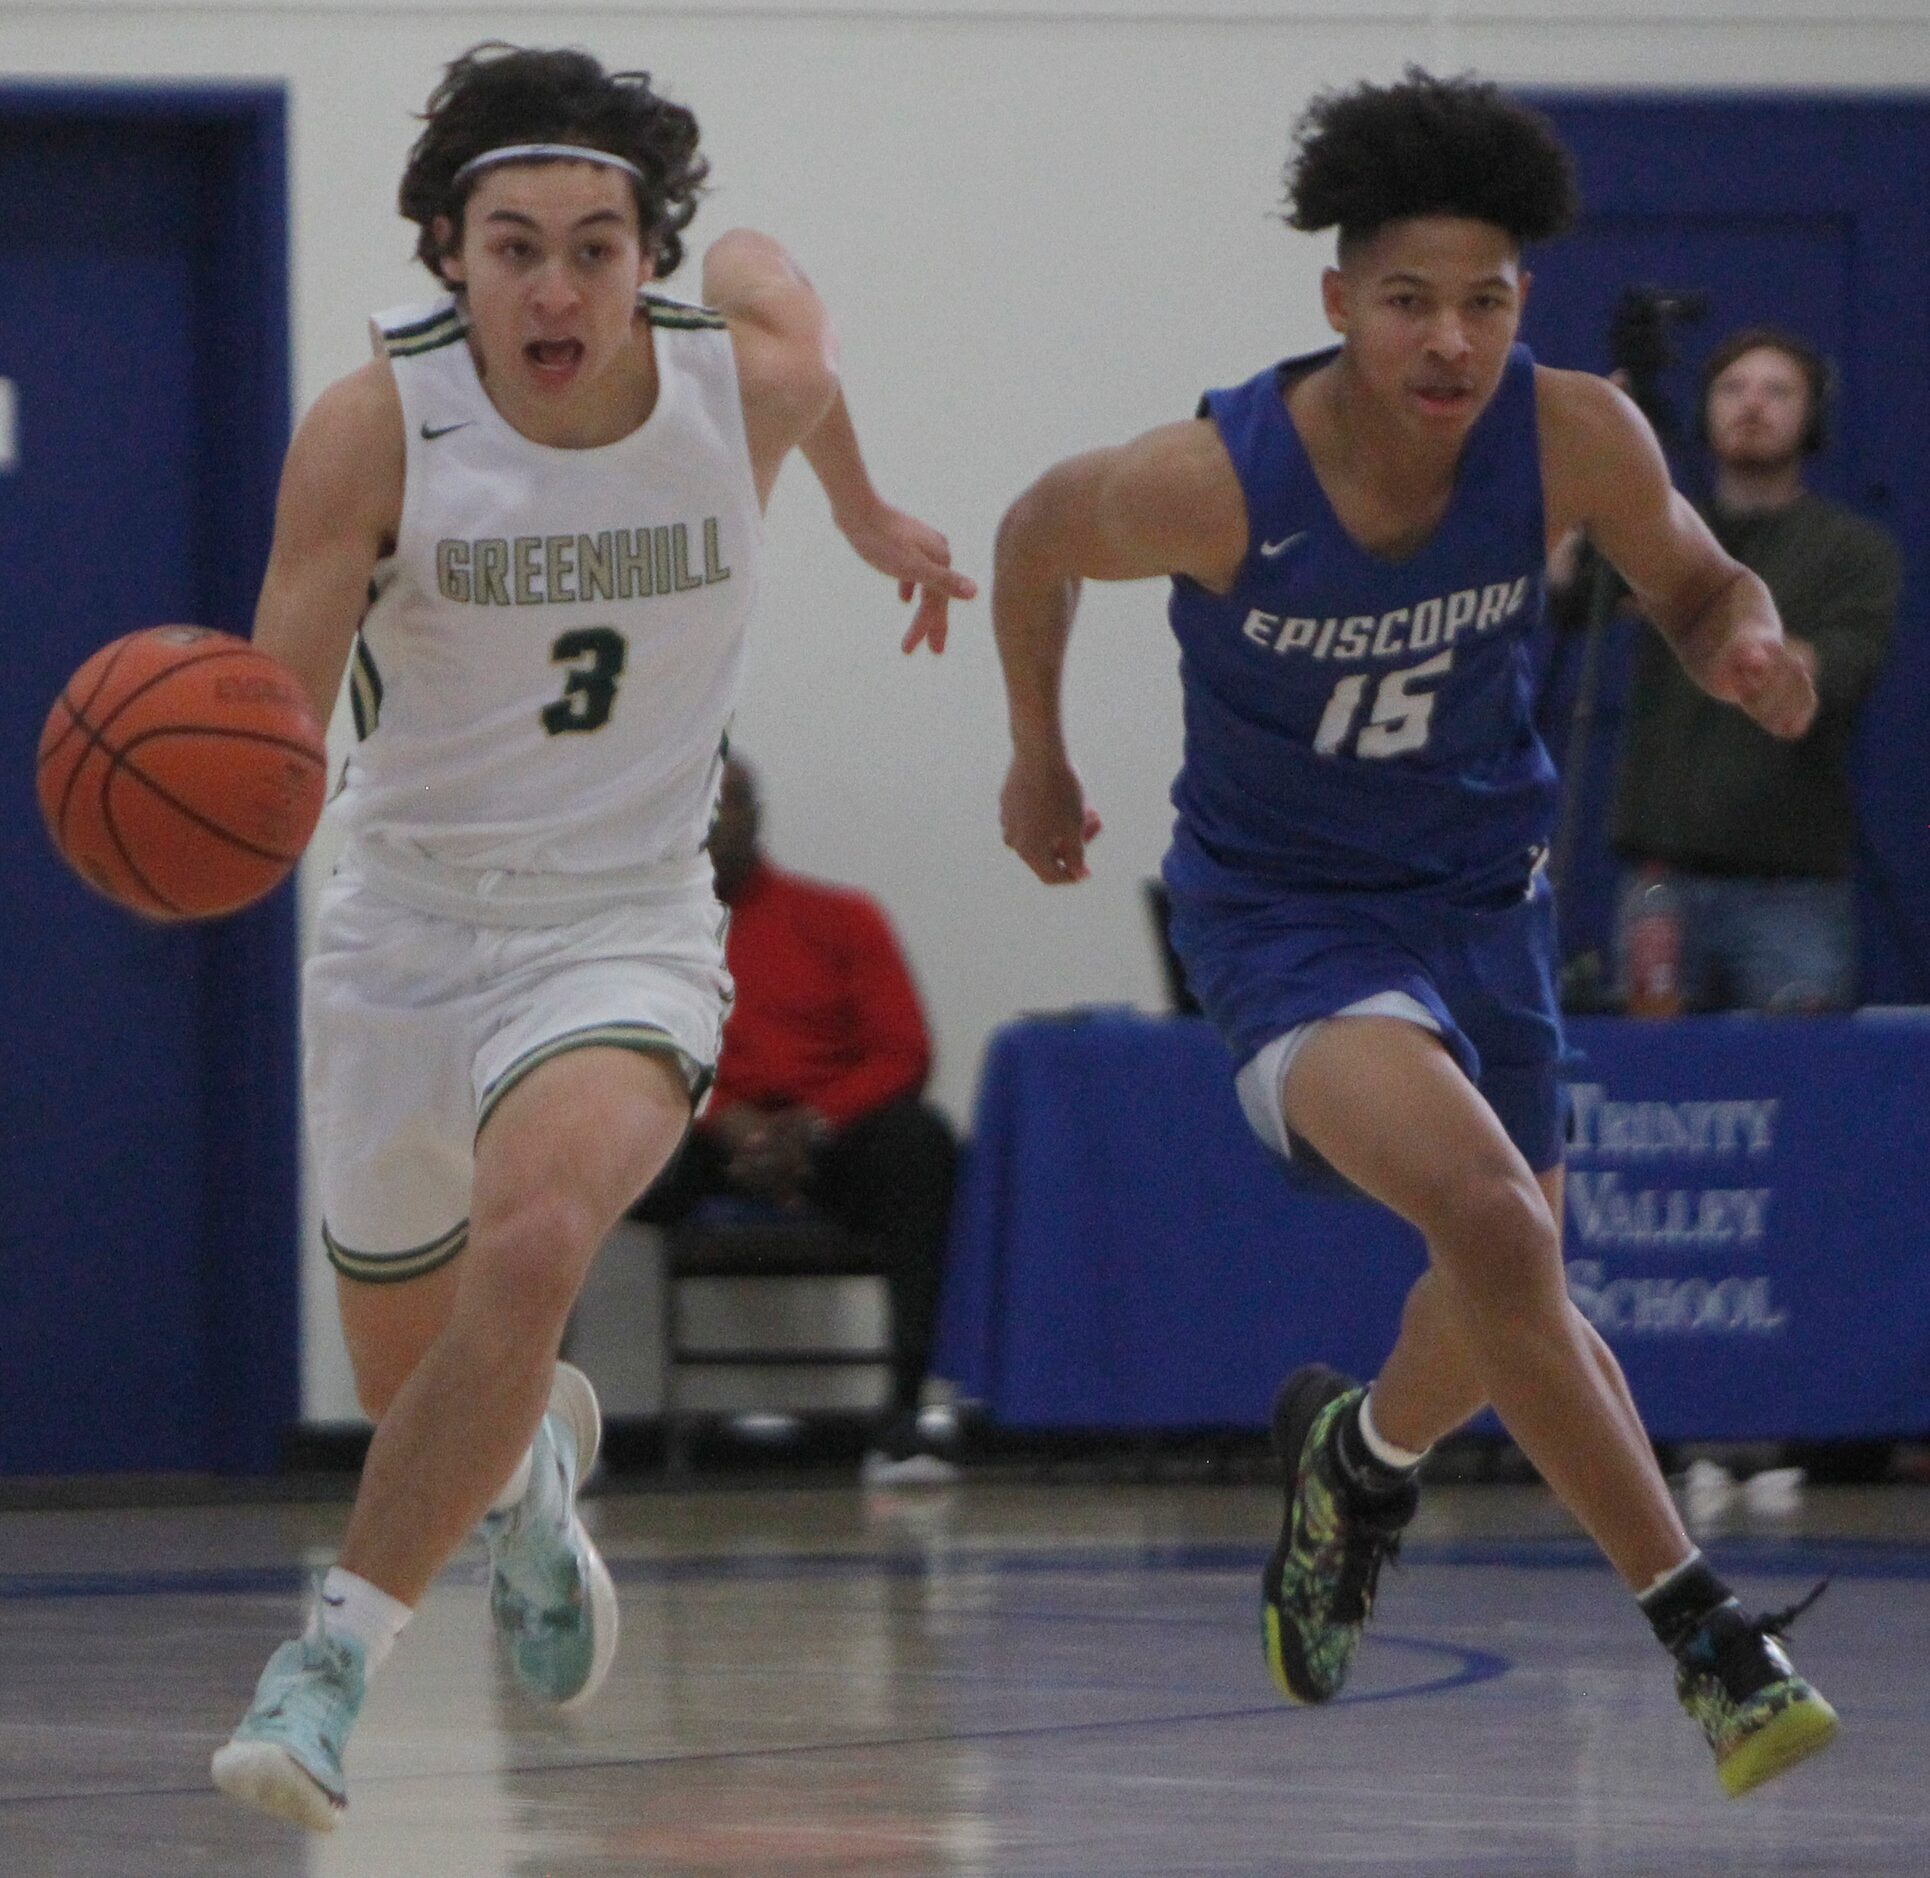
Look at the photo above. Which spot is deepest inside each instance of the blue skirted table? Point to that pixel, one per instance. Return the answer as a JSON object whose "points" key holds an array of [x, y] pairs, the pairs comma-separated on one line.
{"points": [[1748, 1225]]}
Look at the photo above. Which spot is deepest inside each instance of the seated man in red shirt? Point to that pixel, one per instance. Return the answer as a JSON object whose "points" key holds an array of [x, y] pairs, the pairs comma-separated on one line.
{"points": [[817, 1094]]}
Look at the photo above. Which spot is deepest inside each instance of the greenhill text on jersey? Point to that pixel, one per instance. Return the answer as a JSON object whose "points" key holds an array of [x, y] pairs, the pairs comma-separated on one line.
{"points": [[554, 570]]}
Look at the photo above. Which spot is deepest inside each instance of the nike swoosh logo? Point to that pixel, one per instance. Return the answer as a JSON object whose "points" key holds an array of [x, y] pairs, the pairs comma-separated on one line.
{"points": [[1273, 550], [430, 432]]}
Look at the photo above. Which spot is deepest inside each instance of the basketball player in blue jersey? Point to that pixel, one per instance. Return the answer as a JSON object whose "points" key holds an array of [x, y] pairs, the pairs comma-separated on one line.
{"points": [[535, 521], [1356, 541]]}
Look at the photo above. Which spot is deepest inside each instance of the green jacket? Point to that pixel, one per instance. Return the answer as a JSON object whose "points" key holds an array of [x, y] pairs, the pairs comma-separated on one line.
{"points": [[1700, 785]]}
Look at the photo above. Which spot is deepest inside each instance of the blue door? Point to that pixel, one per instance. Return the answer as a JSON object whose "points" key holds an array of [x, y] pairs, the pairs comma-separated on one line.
{"points": [[147, 1145], [1807, 213]]}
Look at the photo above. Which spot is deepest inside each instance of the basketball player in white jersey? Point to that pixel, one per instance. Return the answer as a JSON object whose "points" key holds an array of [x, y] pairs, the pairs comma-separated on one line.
{"points": [[533, 525]]}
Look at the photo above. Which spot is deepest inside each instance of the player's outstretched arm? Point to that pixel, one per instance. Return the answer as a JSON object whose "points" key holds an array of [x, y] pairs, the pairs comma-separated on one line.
{"points": [[787, 368], [336, 516], [1168, 503], [1605, 473]]}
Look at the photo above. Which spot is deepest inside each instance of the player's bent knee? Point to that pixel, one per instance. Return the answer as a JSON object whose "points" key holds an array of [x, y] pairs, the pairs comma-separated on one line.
{"points": [[1497, 1239], [531, 1259]]}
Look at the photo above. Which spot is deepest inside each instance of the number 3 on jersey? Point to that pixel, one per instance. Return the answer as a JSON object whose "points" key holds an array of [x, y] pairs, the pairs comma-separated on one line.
{"points": [[1399, 721], [595, 656]]}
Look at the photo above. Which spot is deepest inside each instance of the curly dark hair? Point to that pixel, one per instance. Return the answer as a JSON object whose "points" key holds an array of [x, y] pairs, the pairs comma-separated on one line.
{"points": [[497, 94], [1428, 146]]}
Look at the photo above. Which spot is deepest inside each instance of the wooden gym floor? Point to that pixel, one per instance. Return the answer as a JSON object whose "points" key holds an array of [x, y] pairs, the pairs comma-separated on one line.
{"points": [[998, 1678]]}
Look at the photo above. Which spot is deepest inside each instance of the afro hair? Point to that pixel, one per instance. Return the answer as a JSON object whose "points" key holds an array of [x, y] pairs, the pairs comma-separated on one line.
{"points": [[1427, 146]]}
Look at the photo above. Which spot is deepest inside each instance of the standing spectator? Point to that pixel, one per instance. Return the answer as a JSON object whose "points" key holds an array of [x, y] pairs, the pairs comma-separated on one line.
{"points": [[817, 1098], [1753, 834]]}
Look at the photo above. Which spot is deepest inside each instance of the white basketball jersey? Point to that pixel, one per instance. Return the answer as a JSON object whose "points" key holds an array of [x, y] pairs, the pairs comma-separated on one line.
{"points": [[551, 655]]}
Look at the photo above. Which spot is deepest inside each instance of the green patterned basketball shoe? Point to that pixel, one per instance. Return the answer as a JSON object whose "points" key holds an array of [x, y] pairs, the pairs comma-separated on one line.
{"points": [[286, 1756], [1739, 1686], [1318, 1587], [549, 1590]]}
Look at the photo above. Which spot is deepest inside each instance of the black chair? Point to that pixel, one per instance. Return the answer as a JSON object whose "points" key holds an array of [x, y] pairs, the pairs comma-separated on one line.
{"points": [[747, 1240]]}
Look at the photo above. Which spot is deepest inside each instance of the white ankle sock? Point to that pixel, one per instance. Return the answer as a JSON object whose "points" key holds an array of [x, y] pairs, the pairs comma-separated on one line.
{"points": [[515, 1486], [1378, 1445], [352, 1607], [1664, 1579]]}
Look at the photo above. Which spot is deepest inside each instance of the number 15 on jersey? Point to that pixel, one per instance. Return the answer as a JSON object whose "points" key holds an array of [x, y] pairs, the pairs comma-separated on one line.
{"points": [[1399, 721]]}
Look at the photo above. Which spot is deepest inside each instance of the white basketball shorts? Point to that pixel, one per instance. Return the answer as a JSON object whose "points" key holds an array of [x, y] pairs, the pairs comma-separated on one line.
{"points": [[416, 1025]]}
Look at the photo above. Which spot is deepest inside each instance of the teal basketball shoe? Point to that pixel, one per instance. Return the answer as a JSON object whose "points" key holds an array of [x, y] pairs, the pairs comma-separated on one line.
{"points": [[549, 1590], [286, 1756]]}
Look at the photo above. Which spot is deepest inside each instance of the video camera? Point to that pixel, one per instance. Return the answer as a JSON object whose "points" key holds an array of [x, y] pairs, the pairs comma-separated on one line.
{"points": [[1640, 333]]}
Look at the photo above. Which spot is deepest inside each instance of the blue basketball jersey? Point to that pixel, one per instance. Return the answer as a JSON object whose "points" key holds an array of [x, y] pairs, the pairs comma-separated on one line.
{"points": [[1355, 722]]}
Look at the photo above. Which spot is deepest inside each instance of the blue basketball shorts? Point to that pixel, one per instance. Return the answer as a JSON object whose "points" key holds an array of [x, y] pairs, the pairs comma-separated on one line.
{"points": [[1265, 962]]}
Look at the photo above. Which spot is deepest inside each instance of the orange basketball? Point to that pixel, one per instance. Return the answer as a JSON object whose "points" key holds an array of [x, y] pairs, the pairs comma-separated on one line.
{"points": [[181, 772]]}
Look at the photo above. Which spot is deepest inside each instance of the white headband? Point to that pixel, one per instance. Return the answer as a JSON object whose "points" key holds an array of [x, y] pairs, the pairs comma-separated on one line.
{"points": [[544, 153]]}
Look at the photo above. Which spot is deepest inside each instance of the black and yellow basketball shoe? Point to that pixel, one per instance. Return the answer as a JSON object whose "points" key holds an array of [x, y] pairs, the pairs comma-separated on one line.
{"points": [[1318, 1587], [1739, 1686]]}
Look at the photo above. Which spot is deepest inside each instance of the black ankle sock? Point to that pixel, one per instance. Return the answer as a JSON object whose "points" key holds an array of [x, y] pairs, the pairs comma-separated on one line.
{"points": [[1365, 1472], [1677, 1609]]}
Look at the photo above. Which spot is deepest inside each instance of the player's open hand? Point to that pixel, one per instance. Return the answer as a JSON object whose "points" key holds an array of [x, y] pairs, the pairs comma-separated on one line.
{"points": [[920, 559], [1770, 676], [1045, 820]]}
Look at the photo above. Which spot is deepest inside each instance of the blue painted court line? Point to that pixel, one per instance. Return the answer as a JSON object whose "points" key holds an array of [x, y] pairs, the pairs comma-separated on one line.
{"points": [[1874, 1559], [201, 1582], [1473, 1666], [1797, 1555], [1467, 1668]]}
